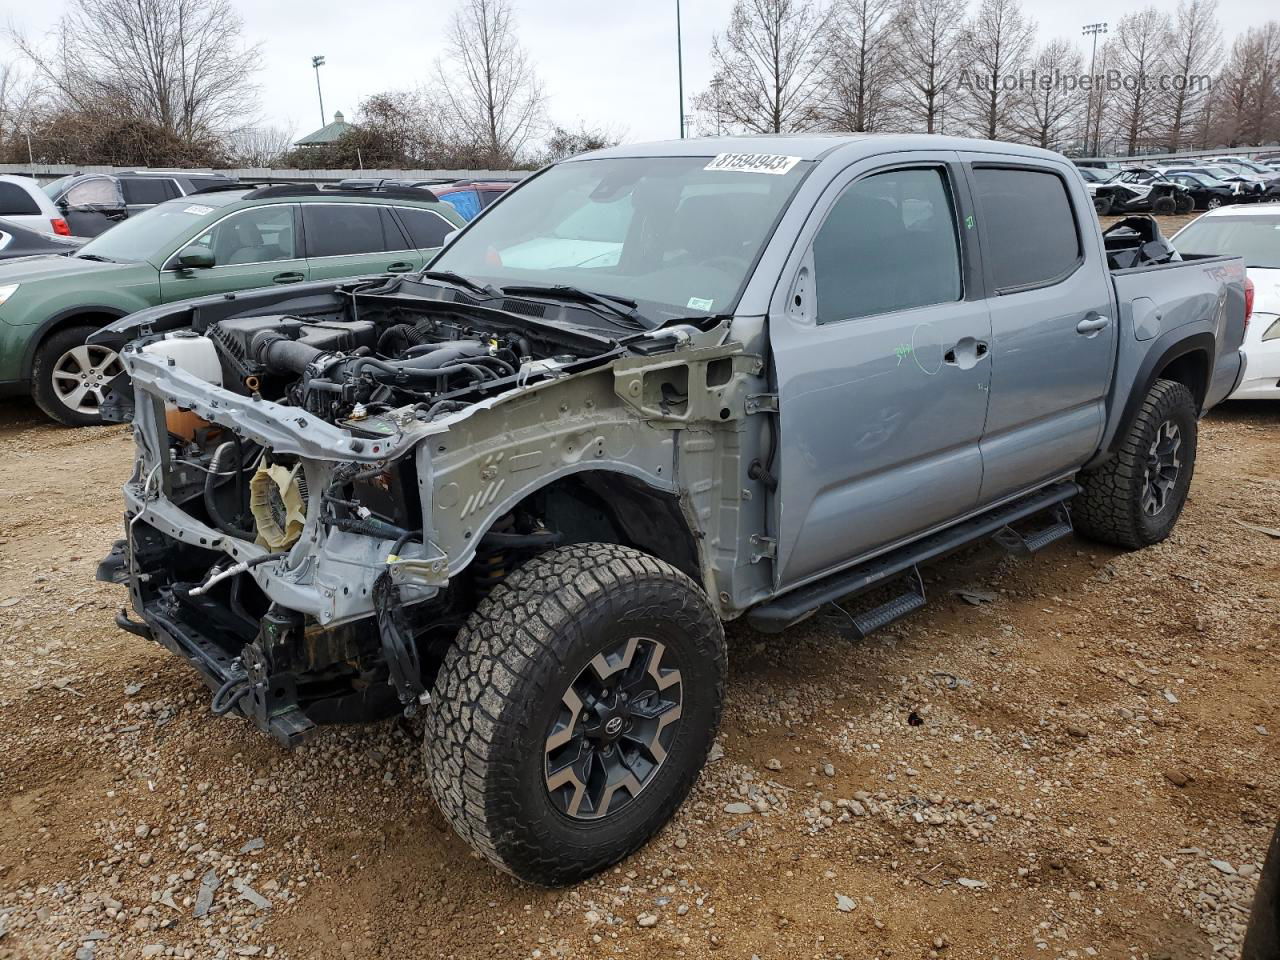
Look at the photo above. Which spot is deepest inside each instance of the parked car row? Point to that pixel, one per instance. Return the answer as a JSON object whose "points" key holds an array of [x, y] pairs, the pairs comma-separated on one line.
{"points": [[219, 241], [1180, 186]]}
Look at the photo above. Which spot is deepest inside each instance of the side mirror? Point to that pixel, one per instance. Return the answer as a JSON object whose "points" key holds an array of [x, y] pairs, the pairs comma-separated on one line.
{"points": [[195, 258], [448, 238]]}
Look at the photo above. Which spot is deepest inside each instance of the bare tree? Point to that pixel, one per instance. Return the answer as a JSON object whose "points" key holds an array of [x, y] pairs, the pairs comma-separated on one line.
{"points": [[1247, 91], [1193, 47], [564, 142], [257, 146], [487, 82], [1139, 46], [996, 44], [1050, 106], [181, 65], [928, 59], [766, 66], [859, 65]]}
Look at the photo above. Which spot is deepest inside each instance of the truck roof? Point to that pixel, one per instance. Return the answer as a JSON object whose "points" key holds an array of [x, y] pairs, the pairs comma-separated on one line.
{"points": [[816, 146]]}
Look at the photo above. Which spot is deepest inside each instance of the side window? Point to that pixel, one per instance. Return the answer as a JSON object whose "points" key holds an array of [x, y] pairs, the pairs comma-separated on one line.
{"points": [[394, 236], [147, 190], [335, 230], [16, 202], [1028, 228], [96, 192], [889, 243], [258, 235], [426, 229]]}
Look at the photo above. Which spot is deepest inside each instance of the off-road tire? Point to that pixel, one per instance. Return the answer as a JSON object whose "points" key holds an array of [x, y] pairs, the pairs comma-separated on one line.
{"points": [[1110, 508], [1102, 205], [1184, 203], [1164, 206], [42, 388], [499, 691]]}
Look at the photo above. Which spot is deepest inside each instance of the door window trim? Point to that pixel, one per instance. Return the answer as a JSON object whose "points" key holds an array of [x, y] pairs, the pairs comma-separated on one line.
{"points": [[950, 186], [169, 265], [988, 260], [409, 236]]}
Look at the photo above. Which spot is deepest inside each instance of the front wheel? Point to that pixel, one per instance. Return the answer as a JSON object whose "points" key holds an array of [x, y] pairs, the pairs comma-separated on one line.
{"points": [[1184, 203], [1164, 206], [1102, 205], [574, 711], [70, 377], [1135, 498], [1213, 203]]}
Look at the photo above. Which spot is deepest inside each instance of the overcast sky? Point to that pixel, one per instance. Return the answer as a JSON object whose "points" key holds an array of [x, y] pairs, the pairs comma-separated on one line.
{"points": [[605, 62]]}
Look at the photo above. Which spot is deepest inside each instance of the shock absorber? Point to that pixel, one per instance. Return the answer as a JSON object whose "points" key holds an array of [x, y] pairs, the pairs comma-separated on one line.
{"points": [[489, 570]]}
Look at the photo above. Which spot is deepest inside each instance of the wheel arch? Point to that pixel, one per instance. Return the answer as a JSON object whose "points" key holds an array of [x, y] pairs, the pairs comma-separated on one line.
{"points": [[98, 316], [1184, 359]]}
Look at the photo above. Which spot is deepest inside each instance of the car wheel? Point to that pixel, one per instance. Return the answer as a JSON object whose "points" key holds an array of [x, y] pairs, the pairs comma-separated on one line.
{"points": [[1163, 206], [1213, 203], [1135, 499], [574, 711], [1102, 206], [70, 377], [1184, 203]]}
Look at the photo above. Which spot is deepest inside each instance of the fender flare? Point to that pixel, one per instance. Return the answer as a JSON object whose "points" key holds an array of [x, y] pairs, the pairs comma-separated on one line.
{"points": [[1168, 347], [58, 319]]}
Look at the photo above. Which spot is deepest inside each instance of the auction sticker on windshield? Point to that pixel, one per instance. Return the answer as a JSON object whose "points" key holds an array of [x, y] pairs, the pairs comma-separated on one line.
{"points": [[752, 163], [198, 209]]}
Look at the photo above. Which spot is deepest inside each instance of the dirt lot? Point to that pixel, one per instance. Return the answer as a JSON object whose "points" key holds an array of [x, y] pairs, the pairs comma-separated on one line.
{"points": [[1079, 759]]}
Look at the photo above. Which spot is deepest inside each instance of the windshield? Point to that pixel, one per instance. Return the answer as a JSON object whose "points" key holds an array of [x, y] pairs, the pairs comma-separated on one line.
{"points": [[148, 235], [56, 187], [1255, 238], [667, 232]]}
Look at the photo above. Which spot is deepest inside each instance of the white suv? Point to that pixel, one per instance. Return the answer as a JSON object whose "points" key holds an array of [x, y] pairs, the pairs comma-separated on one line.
{"points": [[24, 203]]}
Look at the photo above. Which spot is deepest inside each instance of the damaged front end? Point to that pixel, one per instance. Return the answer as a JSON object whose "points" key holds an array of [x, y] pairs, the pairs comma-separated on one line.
{"points": [[278, 527]]}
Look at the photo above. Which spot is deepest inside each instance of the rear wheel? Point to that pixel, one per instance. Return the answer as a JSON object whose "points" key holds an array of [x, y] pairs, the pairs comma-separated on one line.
{"points": [[1135, 499], [1163, 206], [70, 377], [574, 711], [1102, 205], [1184, 203], [1213, 203]]}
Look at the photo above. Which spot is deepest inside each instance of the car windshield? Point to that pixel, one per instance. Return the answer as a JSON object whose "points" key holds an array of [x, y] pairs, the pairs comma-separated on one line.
{"points": [[677, 235], [153, 233], [1256, 238], [56, 187]]}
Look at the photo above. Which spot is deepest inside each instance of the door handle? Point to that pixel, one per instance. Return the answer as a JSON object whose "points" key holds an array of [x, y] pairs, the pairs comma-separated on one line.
{"points": [[400, 266], [291, 277], [1091, 325], [966, 353]]}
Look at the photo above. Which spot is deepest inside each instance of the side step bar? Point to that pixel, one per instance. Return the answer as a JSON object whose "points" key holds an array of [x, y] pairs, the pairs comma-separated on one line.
{"points": [[776, 615]]}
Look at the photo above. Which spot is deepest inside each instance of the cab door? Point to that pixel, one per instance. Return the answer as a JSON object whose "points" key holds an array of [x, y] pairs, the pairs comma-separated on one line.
{"points": [[354, 239], [254, 247], [880, 345], [93, 206]]}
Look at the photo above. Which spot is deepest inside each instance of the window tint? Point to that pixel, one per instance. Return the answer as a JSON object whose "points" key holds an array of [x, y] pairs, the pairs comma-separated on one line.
{"points": [[889, 243], [259, 235], [335, 230], [14, 201], [488, 196], [1029, 231], [426, 229], [148, 190], [396, 240], [99, 191]]}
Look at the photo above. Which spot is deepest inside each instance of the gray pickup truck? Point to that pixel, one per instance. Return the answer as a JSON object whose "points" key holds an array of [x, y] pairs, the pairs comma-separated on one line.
{"points": [[651, 390]]}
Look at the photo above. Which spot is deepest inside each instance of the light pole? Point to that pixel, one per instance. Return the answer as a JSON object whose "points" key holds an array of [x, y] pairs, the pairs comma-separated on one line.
{"points": [[680, 68], [317, 63], [1091, 29]]}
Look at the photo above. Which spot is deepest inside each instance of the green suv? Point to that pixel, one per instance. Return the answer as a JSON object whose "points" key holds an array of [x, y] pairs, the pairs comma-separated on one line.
{"points": [[208, 243]]}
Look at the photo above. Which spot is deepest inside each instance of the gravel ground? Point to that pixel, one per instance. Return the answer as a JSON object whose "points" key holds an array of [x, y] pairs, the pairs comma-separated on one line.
{"points": [[1074, 755]]}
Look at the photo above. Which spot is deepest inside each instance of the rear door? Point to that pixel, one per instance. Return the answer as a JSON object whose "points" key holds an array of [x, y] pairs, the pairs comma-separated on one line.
{"points": [[1053, 339], [352, 239], [879, 335], [254, 247], [142, 193], [426, 228], [93, 206]]}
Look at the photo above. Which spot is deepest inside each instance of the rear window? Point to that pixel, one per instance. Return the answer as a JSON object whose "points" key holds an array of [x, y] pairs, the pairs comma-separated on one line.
{"points": [[148, 191], [14, 201], [1028, 228], [426, 229]]}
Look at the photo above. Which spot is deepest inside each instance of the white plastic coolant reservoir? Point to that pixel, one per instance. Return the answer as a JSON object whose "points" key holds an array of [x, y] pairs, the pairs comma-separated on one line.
{"points": [[192, 353]]}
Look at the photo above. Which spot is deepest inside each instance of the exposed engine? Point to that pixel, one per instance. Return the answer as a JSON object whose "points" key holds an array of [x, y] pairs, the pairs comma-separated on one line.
{"points": [[347, 370]]}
